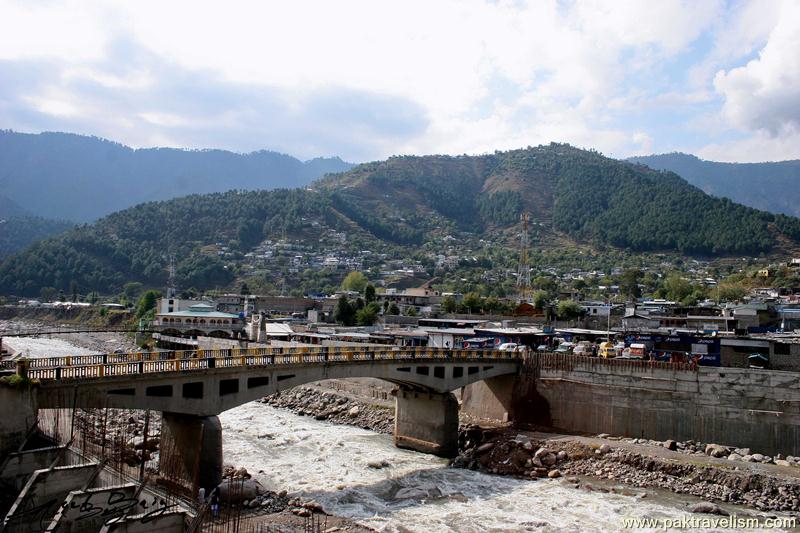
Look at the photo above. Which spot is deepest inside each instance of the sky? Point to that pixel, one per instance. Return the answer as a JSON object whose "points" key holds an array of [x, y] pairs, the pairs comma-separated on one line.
{"points": [[364, 80]]}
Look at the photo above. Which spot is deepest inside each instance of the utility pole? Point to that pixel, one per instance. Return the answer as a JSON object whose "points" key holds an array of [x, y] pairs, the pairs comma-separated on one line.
{"points": [[523, 268]]}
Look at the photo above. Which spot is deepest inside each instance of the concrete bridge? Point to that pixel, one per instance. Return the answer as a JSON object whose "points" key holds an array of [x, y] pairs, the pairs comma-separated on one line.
{"points": [[192, 387]]}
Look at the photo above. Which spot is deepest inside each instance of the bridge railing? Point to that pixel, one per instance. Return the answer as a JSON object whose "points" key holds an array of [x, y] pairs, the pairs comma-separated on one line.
{"points": [[98, 366]]}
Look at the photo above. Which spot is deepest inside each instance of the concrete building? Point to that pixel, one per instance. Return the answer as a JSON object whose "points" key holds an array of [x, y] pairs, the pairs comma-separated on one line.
{"points": [[200, 319]]}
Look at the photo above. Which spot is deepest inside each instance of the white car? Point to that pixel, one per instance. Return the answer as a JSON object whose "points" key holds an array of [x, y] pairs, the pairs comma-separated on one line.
{"points": [[511, 347]]}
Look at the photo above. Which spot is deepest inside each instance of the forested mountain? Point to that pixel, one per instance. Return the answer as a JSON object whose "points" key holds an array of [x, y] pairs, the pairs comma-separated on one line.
{"points": [[78, 178], [406, 203], [770, 186], [19, 229], [17, 233], [10, 208]]}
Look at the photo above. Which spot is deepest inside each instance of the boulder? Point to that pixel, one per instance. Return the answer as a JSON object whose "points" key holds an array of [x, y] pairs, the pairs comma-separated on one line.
{"points": [[743, 451], [421, 491], [354, 411], [553, 474], [548, 459], [782, 462], [757, 457], [670, 445], [562, 456], [485, 447], [239, 490], [716, 450], [605, 448], [540, 452], [708, 508], [734, 457]]}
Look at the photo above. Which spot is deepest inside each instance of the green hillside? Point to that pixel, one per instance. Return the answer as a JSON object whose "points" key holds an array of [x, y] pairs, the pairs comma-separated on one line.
{"points": [[401, 205]]}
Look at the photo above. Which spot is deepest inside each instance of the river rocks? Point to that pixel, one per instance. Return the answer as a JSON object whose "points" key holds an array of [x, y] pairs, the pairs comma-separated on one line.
{"points": [[715, 450], [422, 491], [782, 462], [548, 459], [553, 474], [494, 451], [757, 457], [377, 465], [483, 448], [239, 490], [670, 445], [327, 405], [708, 508]]}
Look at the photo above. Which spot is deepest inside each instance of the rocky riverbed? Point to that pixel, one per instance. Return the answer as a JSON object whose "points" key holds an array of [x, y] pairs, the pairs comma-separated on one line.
{"points": [[507, 452], [340, 409], [62, 343]]}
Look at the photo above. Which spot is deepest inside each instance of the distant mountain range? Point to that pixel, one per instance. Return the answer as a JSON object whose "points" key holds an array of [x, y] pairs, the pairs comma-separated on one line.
{"points": [[80, 179], [404, 206], [772, 187]]}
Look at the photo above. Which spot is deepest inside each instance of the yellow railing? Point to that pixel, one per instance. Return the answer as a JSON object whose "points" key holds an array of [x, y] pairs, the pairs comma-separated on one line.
{"points": [[98, 366]]}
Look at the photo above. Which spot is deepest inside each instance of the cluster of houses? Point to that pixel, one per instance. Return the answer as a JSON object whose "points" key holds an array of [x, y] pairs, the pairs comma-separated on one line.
{"points": [[728, 336]]}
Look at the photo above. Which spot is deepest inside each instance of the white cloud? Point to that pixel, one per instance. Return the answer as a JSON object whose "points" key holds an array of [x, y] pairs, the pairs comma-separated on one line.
{"points": [[757, 147], [366, 79], [764, 94]]}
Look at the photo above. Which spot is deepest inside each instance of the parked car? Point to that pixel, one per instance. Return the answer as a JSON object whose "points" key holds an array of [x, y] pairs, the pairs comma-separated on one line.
{"points": [[565, 347], [511, 347], [585, 348]]}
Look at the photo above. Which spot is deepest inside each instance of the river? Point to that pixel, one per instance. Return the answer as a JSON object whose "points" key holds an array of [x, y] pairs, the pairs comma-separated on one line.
{"points": [[416, 492]]}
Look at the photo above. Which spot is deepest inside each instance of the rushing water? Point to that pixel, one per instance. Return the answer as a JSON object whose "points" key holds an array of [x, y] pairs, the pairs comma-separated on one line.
{"points": [[417, 492]]}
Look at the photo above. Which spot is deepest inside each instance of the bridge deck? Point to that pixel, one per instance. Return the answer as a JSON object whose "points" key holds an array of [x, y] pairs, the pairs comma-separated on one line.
{"points": [[105, 365]]}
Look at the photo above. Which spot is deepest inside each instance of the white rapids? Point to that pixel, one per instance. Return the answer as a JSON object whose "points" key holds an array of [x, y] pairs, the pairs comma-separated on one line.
{"points": [[416, 492]]}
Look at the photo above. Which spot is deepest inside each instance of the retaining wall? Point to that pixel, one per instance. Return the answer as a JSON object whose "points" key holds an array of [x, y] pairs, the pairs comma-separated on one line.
{"points": [[759, 409]]}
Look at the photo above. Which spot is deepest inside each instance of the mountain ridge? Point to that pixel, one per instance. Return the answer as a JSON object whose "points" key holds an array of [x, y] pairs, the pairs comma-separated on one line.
{"points": [[408, 206], [771, 186], [82, 178]]}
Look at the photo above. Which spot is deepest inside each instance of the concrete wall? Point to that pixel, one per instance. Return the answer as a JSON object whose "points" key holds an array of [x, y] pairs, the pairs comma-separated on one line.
{"points": [[166, 523], [18, 466], [87, 511], [731, 406], [17, 417], [43, 494]]}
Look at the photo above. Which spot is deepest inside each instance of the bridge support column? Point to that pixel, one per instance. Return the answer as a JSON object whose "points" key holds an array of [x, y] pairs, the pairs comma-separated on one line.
{"points": [[426, 422], [191, 449]]}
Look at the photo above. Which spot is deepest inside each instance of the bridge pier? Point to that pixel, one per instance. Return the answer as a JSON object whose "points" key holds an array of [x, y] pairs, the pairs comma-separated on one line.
{"points": [[191, 449], [426, 422]]}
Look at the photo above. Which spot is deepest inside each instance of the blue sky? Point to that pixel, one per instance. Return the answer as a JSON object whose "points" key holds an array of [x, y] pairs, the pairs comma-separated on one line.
{"points": [[366, 79]]}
